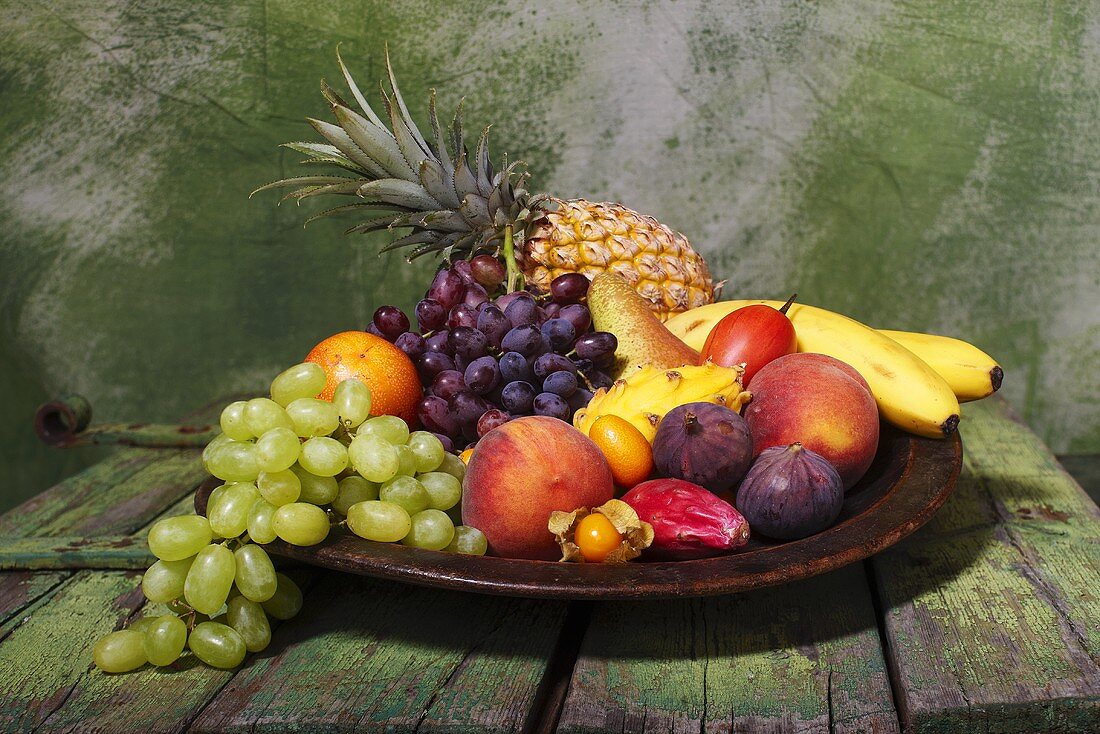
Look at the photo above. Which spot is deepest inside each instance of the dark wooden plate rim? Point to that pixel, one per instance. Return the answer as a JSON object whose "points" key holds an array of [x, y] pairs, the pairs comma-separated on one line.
{"points": [[914, 478]]}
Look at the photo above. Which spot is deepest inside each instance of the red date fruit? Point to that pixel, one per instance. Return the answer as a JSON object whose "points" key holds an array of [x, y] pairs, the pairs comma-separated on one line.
{"points": [[688, 521]]}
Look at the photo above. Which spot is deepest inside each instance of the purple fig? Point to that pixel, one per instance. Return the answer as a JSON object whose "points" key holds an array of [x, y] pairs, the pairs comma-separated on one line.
{"points": [[688, 521], [703, 443], [790, 492]]}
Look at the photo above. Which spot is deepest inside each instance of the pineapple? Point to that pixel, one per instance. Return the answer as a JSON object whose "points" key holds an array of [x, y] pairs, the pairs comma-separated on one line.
{"points": [[456, 204]]}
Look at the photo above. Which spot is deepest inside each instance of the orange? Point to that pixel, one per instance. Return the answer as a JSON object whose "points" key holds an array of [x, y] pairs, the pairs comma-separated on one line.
{"points": [[627, 450], [386, 370], [596, 536], [465, 455]]}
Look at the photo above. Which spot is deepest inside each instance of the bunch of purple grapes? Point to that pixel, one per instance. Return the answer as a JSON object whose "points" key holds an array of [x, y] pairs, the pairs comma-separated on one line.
{"points": [[485, 360]]}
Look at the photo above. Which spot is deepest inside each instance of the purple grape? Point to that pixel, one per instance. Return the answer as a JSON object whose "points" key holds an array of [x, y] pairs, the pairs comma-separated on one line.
{"points": [[504, 301], [595, 345], [517, 397], [579, 399], [462, 315], [435, 415], [547, 364], [430, 314], [522, 311], [467, 342], [551, 310], [372, 329], [461, 363], [448, 443], [560, 383], [438, 342], [448, 383], [462, 267], [466, 407], [525, 339], [494, 324], [391, 321], [560, 333], [569, 288], [482, 375], [599, 379], [578, 315], [475, 295], [490, 419], [549, 404], [412, 344], [488, 271], [447, 288], [514, 366], [431, 364]]}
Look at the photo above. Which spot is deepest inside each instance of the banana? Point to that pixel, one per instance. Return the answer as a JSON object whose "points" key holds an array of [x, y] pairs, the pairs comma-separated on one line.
{"points": [[909, 393], [971, 373]]}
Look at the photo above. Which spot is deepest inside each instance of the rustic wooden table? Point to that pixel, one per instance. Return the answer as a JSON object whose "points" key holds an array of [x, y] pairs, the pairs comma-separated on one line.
{"points": [[987, 619]]}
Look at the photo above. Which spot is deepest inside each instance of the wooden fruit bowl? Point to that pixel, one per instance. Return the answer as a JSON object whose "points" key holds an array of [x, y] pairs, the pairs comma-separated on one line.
{"points": [[908, 481]]}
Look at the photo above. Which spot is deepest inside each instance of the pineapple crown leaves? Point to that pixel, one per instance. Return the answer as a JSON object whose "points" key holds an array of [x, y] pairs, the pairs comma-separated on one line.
{"points": [[451, 202]]}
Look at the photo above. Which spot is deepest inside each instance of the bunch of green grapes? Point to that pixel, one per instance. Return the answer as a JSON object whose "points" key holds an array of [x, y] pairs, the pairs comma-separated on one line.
{"points": [[293, 466]]}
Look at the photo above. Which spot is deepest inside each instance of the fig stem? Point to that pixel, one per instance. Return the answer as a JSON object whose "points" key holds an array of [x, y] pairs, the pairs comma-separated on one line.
{"points": [[691, 422], [787, 305]]}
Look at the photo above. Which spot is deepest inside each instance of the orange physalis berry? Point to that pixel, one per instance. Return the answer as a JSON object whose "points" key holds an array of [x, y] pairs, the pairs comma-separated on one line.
{"points": [[596, 536]]}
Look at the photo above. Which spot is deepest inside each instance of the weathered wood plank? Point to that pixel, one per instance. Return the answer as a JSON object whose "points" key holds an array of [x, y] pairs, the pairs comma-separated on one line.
{"points": [[991, 609], [52, 553], [18, 590], [804, 657], [371, 655]]}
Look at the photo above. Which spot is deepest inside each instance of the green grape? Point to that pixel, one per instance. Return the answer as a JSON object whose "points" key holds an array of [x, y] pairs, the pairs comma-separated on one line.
{"points": [[164, 639], [407, 461], [229, 515], [277, 450], [261, 521], [386, 427], [143, 623], [305, 380], [313, 417], [427, 449], [163, 582], [120, 652], [384, 522], [444, 491], [352, 401], [323, 456], [250, 621], [300, 523], [263, 414], [218, 645], [255, 577], [279, 487], [407, 492], [351, 490], [210, 578], [469, 541], [234, 461], [374, 458], [315, 490], [176, 538], [220, 440], [453, 465], [232, 422], [431, 530], [287, 600]]}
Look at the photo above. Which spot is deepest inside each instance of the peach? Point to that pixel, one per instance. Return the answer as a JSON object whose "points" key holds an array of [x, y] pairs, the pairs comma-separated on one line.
{"points": [[521, 472], [822, 403]]}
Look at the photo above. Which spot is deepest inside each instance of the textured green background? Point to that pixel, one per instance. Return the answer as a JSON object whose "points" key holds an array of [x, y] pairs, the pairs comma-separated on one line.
{"points": [[930, 166]]}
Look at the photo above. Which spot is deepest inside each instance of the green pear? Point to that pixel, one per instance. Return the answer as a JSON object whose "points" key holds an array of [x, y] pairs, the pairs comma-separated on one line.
{"points": [[643, 339]]}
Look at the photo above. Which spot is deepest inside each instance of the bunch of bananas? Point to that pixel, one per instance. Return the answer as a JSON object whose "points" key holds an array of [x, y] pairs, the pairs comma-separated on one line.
{"points": [[918, 380]]}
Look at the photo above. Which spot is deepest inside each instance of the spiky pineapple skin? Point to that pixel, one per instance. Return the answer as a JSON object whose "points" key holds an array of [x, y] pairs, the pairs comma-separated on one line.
{"points": [[643, 397], [579, 236]]}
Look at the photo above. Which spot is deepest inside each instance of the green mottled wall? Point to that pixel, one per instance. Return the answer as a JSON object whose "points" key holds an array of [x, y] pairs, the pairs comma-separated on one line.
{"points": [[929, 166]]}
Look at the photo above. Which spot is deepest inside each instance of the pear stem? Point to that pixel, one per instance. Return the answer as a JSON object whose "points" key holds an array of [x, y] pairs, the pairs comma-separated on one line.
{"points": [[787, 305]]}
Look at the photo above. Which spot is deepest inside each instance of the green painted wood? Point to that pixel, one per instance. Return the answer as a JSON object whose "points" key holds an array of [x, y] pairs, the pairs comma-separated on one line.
{"points": [[804, 657], [108, 552], [370, 655], [991, 609], [20, 589], [1086, 470]]}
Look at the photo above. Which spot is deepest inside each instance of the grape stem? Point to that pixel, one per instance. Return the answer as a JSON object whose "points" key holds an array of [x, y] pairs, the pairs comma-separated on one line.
{"points": [[514, 276]]}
